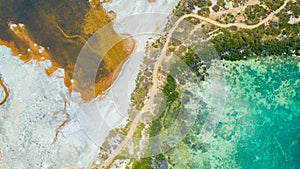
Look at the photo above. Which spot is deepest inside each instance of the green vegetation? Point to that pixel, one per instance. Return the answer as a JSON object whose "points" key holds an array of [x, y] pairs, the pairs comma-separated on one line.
{"points": [[277, 38], [197, 53], [228, 18], [139, 93], [170, 89], [155, 127], [172, 114], [144, 78], [237, 3], [272, 4], [204, 12], [295, 8], [201, 3], [186, 7], [123, 130], [144, 163], [254, 13], [221, 3], [216, 8], [139, 130], [154, 162]]}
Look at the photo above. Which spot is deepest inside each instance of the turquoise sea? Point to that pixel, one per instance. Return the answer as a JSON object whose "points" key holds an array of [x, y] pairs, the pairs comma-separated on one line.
{"points": [[260, 124]]}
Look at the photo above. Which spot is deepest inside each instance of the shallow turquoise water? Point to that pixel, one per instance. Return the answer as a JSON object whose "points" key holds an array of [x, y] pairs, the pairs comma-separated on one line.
{"points": [[260, 125]]}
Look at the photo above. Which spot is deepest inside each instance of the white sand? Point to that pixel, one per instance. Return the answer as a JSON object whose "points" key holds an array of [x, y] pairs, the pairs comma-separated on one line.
{"points": [[27, 126], [293, 20], [125, 8]]}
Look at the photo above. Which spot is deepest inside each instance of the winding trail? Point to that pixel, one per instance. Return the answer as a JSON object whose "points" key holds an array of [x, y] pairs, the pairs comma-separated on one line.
{"points": [[239, 25], [154, 89]]}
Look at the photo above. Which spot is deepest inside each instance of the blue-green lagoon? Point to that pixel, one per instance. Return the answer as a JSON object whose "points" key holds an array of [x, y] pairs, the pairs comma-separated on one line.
{"points": [[260, 125]]}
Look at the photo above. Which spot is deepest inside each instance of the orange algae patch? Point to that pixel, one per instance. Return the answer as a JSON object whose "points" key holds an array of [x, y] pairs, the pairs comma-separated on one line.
{"points": [[6, 92], [63, 30], [33, 51], [96, 17], [114, 64], [113, 60], [51, 70], [151, 1]]}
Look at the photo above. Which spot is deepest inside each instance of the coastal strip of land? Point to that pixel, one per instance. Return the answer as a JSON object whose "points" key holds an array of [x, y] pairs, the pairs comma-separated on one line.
{"points": [[153, 90]]}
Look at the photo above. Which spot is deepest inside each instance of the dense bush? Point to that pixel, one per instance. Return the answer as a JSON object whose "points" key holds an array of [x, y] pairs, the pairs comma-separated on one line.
{"points": [[254, 13], [204, 12], [170, 89], [273, 4]]}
